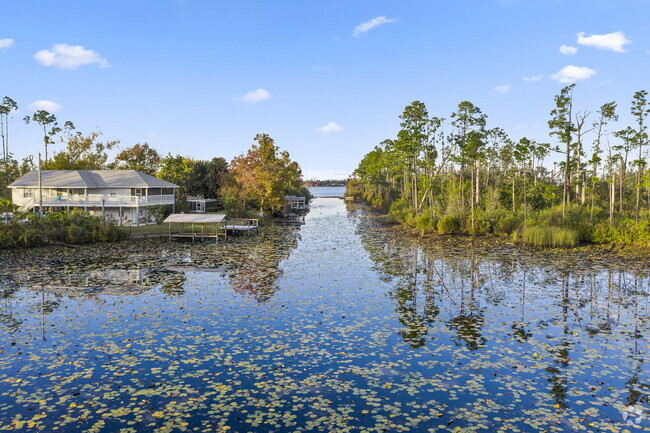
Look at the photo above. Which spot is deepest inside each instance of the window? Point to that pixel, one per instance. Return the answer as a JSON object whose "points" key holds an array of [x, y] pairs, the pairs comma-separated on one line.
{"points": [[28, 193], [137, 192]]}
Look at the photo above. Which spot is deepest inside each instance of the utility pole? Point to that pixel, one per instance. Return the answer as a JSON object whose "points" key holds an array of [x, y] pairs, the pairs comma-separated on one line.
{"points": [[40, 187]]}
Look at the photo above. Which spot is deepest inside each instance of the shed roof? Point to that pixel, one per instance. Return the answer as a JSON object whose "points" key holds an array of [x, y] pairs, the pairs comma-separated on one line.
{"points": [[91, 179], [201, 199], [196, 218]]}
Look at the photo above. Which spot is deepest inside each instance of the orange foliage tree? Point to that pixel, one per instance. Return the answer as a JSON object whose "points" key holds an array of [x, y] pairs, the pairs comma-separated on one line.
{"points": [[260, 178]]}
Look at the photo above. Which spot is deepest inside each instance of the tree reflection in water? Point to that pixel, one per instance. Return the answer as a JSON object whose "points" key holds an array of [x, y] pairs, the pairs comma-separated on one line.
{"points": [[252, 265], [470, 285]]}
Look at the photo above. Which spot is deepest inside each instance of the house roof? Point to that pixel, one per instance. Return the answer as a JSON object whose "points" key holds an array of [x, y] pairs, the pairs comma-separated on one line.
{"points": [[196, 218], [191, 198], [91, 179]]}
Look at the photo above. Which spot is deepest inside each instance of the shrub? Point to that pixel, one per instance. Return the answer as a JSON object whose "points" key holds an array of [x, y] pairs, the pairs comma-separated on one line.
{"points": [[449, 225], [29, 230], [624, 231]]}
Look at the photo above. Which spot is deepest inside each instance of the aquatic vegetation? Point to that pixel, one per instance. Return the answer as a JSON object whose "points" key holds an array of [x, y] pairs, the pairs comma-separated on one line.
{"points": [[550, 237], [340, 325]]}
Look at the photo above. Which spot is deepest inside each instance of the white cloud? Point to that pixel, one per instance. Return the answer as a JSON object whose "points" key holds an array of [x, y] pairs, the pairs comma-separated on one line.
{"points": [[6, 43], [255, 96], [611, 41], [43, 104], [329, 128], [534, 78], [568, 50], [502, 89], [571, 74], [369, 25], [66, 56]]}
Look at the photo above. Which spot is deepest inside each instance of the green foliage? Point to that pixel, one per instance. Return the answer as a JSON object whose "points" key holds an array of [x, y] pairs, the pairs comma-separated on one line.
{"points": [[449, 225], [206, 178], [554, 237], [158, 212], [138, 157], [7, 206], [81, 153], [30, 230], [624, 231]]}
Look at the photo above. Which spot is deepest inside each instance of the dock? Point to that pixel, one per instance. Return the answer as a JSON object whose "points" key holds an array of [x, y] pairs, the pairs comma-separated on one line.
{"points": [[208, 226]]}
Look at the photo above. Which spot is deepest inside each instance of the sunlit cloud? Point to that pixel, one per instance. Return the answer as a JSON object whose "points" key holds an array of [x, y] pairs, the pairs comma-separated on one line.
{"points": [[571, 74], [534, 78], [254, 96], [369, 25], [502, 89], [611, 41], [568, 50], [329, 128], [44, 104], [64, 56], [6, 43]]}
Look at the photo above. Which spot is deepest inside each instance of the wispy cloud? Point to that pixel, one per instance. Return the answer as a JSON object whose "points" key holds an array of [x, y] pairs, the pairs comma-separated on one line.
{"points": [[254, 96], [534, 78], [568, 50], [571, 74], [64, 56], [6, 43], [329, 128], [611, 41], [502, 89], [44, 104], [369, 25]]}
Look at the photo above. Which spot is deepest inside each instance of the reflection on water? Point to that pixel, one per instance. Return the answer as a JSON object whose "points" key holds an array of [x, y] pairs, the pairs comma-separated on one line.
{"points": [[341, 324], [567, 307]]}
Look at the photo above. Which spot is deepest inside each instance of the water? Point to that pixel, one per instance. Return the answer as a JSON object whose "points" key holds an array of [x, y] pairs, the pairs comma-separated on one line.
{"points": [[327, 191], [338, 325]]}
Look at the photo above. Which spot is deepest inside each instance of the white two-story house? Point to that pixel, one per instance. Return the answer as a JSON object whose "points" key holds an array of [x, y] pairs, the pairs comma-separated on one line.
{"points": [[119, 195]]}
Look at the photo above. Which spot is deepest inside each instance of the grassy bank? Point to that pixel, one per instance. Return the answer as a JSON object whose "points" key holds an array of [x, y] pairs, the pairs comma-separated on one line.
{"points": [[546, 228]]}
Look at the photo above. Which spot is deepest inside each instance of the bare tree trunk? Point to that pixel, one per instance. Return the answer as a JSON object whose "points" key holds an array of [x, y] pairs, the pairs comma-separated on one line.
{"points": [[513, 193], [612, 197]]}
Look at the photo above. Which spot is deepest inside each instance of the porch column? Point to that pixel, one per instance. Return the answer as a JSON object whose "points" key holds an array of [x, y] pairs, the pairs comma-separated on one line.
{"points": [[85, 199]]}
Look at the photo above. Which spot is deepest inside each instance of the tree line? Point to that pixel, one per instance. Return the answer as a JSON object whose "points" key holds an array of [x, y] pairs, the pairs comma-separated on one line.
{"points": [[457, 175], [256, 180]]}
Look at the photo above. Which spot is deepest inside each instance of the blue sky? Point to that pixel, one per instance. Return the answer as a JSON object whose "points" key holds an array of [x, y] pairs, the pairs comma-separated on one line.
{"points": [[326, 79]]}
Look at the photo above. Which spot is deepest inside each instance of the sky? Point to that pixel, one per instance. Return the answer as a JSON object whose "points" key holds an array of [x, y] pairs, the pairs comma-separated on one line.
{"points": [[327, 80]]}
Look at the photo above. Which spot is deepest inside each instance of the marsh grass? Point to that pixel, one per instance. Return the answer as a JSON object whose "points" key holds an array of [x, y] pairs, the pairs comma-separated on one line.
{"points": [[550, 237]]}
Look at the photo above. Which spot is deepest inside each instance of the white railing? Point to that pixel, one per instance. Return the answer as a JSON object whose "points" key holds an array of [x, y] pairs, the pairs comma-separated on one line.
{"points": [[97, 200]]}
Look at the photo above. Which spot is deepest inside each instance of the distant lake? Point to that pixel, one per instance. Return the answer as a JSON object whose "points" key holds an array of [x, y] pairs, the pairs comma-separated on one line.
{"points": [[327, 191]]}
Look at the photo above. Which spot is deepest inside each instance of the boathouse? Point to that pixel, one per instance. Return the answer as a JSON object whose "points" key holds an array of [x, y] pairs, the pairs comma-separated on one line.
{"points": [[208, 226], [296, 202]]}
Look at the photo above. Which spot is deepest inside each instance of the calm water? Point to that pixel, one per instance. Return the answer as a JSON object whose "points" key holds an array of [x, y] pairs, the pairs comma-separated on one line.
{"points": [[327, 191], [335, 326]]}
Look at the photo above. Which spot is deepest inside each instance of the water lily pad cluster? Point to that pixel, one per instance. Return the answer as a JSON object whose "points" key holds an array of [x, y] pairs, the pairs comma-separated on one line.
{"points": [[340, 325]]}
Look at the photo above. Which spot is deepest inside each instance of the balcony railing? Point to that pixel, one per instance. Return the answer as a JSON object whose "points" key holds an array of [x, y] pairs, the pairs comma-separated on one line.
{"points": [[97, 200]]}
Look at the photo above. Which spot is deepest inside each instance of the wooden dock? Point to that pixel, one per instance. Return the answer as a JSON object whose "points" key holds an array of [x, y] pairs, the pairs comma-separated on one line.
{"points": [[208, 226]]}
